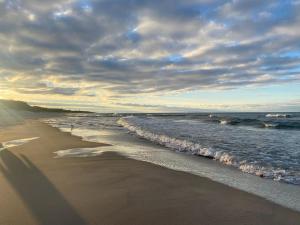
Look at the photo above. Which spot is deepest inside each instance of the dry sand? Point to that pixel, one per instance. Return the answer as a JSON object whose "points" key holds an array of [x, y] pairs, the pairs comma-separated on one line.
{"points": [[36, 188]]}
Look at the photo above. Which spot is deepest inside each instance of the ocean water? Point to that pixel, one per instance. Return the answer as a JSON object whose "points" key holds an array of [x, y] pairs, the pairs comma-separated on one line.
{"points": [[255, 152], [266, 145]]}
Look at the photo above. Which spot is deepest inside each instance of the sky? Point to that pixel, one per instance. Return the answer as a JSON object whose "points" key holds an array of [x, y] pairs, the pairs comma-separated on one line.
{"points": [[151, 55]]}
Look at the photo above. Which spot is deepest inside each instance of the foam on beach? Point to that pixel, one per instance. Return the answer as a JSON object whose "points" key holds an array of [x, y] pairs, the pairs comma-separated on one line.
{"points": [[15, 143], [79, 152]]}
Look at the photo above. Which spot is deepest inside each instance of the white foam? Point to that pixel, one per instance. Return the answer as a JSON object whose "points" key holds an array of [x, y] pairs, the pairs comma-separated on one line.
{"points": [[79, 152], [173, 143], [15, 143], [270, 125], [224, 122], [178, 144]]}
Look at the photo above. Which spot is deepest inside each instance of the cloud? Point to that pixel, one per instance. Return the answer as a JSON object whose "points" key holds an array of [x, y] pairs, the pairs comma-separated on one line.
{"points": [[135, 47], [47, 91], [290, 106]]}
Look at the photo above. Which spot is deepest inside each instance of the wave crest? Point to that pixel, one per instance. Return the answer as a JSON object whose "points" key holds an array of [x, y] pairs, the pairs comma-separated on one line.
{"points": [[279, 115]]}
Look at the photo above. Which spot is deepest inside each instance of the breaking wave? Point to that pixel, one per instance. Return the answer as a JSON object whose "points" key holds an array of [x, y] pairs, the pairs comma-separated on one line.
{"points": [[279, 115], [134, 125], [278, 122]]}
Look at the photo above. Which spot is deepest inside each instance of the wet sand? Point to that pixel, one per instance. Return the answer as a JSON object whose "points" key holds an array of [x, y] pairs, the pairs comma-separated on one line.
{"points": [[36, 188]]}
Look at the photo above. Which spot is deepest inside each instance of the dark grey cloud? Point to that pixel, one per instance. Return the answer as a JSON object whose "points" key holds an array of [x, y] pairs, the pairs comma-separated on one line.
{"points": [[143, 46]]}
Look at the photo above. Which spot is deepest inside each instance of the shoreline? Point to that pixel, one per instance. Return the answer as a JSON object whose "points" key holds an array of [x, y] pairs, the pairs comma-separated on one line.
{"points": [[113, 189], [141, 149]]}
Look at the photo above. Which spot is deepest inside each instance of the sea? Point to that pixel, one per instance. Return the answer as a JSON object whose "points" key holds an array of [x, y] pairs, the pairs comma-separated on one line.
{"points": [[255, 152]]}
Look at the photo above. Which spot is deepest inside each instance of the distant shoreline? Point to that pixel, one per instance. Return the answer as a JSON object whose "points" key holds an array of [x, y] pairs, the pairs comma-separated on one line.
{"points": [[23, 106]]}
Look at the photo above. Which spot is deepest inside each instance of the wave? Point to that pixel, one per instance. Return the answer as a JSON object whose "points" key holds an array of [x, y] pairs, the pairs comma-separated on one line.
{"points": [[279, 115], [270, 125], [229, 121], [182, 145], [258, 123], [233, 120], [282, 125]]}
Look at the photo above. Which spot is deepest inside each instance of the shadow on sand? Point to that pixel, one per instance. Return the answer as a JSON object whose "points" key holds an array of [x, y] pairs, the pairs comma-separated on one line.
{"points": [[40, 196]]}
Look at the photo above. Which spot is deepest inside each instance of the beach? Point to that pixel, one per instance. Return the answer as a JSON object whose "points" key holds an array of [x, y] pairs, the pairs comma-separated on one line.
{"points": [[149, 112], [110, 189]]}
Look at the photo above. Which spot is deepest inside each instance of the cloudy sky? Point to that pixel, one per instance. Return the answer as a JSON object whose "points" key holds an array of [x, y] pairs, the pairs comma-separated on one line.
{"points": [[152, 55]]}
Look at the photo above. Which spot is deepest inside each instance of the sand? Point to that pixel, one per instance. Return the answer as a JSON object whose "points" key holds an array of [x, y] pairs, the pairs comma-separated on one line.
{"points": [[36, 188]]}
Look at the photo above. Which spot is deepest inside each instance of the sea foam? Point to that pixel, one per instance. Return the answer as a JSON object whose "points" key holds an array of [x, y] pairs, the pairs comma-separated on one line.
{"points": [[15, 143]]}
